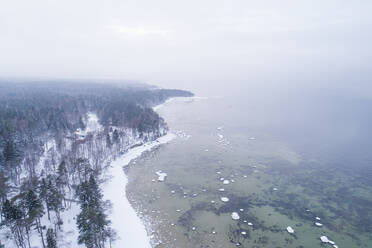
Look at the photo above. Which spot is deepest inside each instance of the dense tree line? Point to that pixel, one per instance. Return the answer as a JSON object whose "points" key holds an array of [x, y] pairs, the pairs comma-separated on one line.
{"points": [[45, 167]]}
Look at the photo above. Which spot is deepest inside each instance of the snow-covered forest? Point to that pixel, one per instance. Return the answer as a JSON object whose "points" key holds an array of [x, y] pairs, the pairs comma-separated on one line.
{"points": [[56, 140]]}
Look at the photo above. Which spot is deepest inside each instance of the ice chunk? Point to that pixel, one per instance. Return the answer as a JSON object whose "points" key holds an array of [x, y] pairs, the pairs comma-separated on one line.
{"points": [[235, 216], [290, 229], [324, 239], [161, 176]]}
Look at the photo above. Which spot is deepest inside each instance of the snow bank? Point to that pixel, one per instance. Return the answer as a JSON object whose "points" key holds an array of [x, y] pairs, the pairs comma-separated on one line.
{"points": [[130, 230]]}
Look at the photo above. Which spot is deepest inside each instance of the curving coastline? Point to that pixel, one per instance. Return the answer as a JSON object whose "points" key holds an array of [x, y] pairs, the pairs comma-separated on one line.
{"points": [[129, 228]]}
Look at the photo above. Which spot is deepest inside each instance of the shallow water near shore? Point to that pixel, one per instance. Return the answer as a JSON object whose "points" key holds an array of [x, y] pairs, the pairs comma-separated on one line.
{"points": [[271, 184]]}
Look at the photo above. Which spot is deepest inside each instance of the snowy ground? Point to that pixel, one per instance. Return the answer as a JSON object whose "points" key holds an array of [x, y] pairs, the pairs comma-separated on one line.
{"points": [[130, 230]]}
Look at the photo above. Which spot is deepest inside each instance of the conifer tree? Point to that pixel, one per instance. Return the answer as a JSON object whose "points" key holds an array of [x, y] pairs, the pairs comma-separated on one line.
{"points": [[92, 221], [108, 140], [51, 238], [35, 210], [115, 136], [51, 196]]}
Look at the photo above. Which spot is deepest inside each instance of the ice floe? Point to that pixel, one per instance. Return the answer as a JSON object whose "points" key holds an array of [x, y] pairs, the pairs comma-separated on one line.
{"points": [[224, 199], [290, 229], [161, 176], [324, 239], [318, 224], [226, 181], [235, 216]]}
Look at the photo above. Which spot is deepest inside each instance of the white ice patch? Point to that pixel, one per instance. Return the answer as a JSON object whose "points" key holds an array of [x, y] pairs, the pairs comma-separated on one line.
{"points": [[290, 229], [324, 239], [235, 216], [161, 176]]}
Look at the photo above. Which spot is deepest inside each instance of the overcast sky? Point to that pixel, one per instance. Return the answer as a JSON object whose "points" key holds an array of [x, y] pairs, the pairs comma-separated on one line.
{"points": [[180, 43]]}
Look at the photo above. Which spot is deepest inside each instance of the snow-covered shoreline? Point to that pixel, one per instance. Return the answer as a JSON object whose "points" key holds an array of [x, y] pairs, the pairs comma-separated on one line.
{"points": [[129, 227]]}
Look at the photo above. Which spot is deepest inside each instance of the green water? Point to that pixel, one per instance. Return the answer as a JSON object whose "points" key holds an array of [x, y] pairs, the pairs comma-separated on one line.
{"points": [[186, 210]]}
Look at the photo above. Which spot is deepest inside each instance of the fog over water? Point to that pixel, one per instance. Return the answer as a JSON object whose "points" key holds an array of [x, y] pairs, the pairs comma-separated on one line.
{"points": [[300, 69]]}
